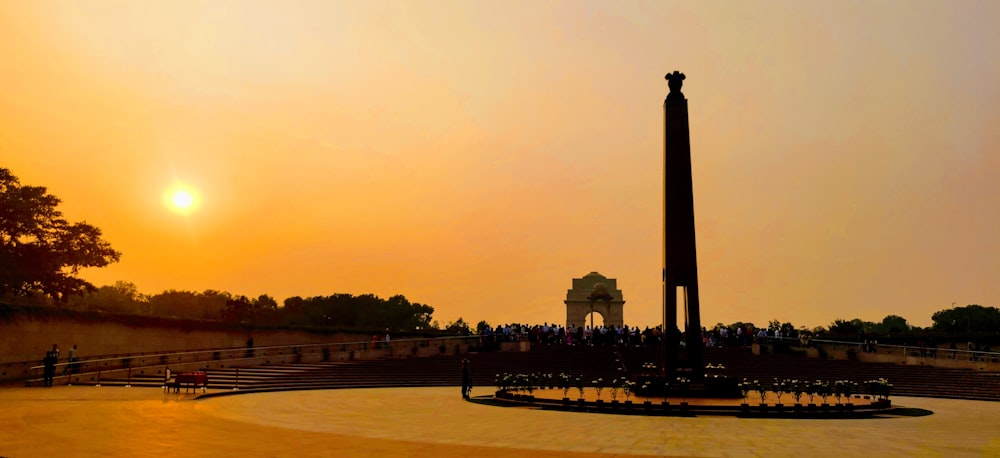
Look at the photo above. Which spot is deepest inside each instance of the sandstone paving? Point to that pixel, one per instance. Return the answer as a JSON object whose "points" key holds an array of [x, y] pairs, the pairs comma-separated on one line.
{"points": [[84, 421]]}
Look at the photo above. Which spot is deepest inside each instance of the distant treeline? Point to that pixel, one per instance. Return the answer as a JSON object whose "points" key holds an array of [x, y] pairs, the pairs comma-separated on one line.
{"points": [[342, 311], [971, 321], [370, 312]]}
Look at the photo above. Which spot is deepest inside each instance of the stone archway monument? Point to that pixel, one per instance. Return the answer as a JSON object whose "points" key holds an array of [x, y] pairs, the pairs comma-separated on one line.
{"points": [[594, 293], [680, 265]]}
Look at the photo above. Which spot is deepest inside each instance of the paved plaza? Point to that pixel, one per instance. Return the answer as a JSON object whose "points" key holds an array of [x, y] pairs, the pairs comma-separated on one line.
{"points": [[84, 421]]}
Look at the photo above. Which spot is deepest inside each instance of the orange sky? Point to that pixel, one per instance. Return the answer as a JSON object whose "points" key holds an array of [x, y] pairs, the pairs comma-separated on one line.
{"points": [[476, 156]]}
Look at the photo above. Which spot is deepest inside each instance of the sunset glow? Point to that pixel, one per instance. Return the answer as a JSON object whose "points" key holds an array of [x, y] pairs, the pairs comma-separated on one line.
{"points": [[182, 200], [477, 156]]}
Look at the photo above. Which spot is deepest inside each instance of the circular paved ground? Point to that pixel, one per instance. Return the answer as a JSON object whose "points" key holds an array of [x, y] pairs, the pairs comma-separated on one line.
{"points": [[435, 422]]}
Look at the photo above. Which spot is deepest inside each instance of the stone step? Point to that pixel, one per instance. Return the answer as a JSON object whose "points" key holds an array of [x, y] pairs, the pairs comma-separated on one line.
{"points": [[588, 364]]}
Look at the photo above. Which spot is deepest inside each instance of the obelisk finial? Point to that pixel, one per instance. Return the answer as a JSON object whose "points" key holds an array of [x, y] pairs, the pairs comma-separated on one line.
{"points": [[674, 82]]}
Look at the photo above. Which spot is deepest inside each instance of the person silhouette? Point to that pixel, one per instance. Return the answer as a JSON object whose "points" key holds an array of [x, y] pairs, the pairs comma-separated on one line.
{"points": [[466, 379], [50, 361], [71, 358]]}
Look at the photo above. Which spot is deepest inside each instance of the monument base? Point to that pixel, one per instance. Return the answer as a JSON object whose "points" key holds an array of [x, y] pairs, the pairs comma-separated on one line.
{"points": [[710, 387]]}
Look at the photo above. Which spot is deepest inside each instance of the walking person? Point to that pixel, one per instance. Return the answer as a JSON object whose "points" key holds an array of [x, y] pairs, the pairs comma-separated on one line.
{"points": [[466, 379], [71, 358], [50, 361], [250, 347]]}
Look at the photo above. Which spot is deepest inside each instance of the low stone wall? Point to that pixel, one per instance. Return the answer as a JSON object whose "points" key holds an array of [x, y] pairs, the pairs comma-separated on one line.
{"points": [[885, 354], [93, 371], [898, 355], [26, 337]]}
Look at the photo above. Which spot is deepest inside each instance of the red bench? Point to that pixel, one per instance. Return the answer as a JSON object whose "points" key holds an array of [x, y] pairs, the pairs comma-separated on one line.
{"points": [[190, 380]]}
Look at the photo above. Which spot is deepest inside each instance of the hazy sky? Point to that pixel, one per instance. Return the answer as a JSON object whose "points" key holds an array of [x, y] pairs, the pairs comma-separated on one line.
{"points": [[476, 156]]}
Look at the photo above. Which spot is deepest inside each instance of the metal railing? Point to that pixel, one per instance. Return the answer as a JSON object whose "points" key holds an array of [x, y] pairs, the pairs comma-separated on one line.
{"points": [[918, 351], [325, 352]]}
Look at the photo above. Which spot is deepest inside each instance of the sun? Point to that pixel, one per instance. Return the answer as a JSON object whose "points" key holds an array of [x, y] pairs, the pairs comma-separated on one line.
{"points": [[181, 199]]}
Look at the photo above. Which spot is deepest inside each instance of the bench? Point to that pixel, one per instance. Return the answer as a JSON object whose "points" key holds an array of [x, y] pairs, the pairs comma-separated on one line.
{"points": [[189, 381]]}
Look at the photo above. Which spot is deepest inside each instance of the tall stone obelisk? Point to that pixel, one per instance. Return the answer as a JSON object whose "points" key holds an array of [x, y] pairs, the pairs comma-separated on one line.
{"points": [[680, 265]]}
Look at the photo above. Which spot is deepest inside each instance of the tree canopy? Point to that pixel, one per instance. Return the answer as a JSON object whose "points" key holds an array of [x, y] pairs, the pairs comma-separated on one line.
{"points": [[242, 309], [971, 318], [208, 305], [366, 311], [345, 311], [123, 297], [41, 252]]}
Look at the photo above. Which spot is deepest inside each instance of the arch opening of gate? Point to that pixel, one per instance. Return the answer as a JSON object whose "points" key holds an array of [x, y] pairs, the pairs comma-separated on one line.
{"points": [[594, 300], [594, 319]]}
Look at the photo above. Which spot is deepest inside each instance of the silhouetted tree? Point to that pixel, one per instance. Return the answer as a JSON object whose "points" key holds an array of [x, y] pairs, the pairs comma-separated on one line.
{"points": [[971, 318], [242, 309], [208, 305], [122, 297], [39, 250], [844, 327], [855, 328], [893, 324], [459, 327], [293, 311], [238, 310], [366, 311], [266, 307]]}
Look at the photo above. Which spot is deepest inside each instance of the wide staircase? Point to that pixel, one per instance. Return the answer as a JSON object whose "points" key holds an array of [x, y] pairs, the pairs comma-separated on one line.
{"points": [[440, 370], [587, 363]]}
